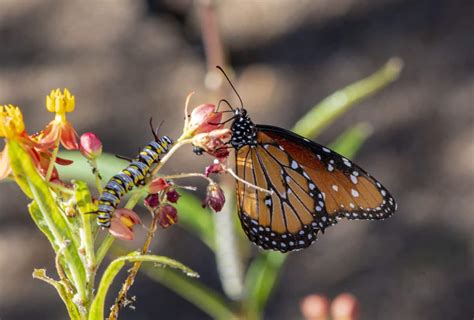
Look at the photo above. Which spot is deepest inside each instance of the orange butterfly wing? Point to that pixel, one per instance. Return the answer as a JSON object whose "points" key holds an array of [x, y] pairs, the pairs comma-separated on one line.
{"points": [[311, 186]]}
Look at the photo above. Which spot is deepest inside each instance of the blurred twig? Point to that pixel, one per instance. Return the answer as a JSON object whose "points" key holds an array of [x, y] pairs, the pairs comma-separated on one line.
{"points": [[228, 259], [325, 112]]}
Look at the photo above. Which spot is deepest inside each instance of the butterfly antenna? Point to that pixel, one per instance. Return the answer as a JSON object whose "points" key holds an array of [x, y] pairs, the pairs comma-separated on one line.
{"points": [[230, 82], [227, 103]]}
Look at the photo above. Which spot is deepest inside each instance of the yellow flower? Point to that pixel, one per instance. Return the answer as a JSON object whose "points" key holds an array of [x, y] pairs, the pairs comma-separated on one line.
{"points": [[11, 122], [59, 129], [60, 103]]}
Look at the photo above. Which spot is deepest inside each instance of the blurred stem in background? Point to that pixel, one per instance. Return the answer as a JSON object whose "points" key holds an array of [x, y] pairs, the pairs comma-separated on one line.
{"points": [[228, 259]]}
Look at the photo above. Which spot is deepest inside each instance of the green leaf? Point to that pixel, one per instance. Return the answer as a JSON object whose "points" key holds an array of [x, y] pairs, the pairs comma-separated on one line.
{"points": [[325, 112], [201, 296], [196, 219], [350, 141], [97, 307], [48, 217], [80, 169], [63, 293], [261, 279]]}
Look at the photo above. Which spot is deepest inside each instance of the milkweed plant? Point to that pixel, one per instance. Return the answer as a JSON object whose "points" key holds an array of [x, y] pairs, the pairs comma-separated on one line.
{"points": [[63, 175]]}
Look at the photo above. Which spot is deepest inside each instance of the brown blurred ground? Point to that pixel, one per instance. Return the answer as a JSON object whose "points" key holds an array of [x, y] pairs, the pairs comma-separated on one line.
{"points": [[125, 61]]}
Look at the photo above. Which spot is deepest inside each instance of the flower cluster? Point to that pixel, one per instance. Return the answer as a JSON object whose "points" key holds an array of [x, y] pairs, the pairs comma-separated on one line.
{"points": [[42, 146], [160, 202], [203, 128]]}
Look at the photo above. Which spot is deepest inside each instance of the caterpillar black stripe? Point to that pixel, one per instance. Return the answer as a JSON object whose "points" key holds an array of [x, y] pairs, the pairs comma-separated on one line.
{"points": [[132, 176]]}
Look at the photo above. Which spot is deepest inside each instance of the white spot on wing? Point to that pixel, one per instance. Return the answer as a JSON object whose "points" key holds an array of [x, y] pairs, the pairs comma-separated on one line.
{"points": [[326, 150], [354, 179], [355, 193], [294, 165], [330, 167], [335, 188]]}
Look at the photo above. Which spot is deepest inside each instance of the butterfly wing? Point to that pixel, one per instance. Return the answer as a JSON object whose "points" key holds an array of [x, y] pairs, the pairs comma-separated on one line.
{"points": [[312, 187]]}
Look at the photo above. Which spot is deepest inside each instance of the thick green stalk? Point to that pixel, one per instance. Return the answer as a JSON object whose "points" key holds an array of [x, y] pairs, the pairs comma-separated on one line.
{"points": [[325, 112]]}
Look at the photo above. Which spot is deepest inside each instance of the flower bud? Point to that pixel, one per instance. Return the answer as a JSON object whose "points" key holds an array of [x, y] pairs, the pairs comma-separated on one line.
{"points": [[167, 215], [215, 197], [152, 200], [172, 196], [204, 119], [90, 146], [345, 306], [122, 222], [158, 184], [315, 307], [216, 167]]}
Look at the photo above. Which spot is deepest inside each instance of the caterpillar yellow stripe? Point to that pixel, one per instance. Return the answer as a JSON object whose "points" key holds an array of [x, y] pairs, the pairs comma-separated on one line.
{"points": [[132, 176]]}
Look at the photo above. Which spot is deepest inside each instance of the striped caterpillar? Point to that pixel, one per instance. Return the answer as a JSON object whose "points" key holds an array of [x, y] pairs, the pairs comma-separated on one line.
{"points": [[132, 176]]}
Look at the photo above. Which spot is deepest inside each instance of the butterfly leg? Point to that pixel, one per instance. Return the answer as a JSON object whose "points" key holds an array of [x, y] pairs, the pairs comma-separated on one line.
{"points": [[236, 177]]}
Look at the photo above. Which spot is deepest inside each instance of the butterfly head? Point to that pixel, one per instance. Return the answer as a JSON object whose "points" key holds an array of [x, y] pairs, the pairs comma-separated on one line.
{"points": [[244, 131]]}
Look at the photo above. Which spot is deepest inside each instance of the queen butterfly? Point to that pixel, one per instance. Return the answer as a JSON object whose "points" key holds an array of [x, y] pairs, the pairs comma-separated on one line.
{"points": [[311, 187]]}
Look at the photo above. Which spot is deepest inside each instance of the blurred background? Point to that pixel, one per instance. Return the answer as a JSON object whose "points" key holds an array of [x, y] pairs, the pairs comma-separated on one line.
{"points": [[128, 60]]}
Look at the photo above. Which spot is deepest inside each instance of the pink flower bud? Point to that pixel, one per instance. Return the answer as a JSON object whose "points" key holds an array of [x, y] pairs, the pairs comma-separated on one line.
{"points": [[216, 167], [204, 119], [152, 200], [167, 215], [215, 197], [345, 306], [172, 196], [158, 184], [90, 146], [315, 307], [122, 223]]}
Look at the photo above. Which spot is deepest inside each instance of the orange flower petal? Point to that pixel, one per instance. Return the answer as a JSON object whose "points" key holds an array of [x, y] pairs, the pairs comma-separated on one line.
{"points": [[119, 230], [49, 135], [69, 137], [63, 162]]}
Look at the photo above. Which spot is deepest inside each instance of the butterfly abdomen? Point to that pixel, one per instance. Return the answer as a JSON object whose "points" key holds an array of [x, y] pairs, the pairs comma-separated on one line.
{"points": [[132, 176]]}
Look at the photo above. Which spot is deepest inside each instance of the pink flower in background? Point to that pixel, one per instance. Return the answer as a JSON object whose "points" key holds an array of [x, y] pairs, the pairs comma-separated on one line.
{"points": [[319, 307], [203, 119]]}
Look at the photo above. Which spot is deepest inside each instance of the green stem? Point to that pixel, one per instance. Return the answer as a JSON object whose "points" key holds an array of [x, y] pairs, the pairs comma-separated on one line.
{"points": [[75, 273], [52, 161], [98, 178], [122, 295], [204, 298], [104, 248], [324, 113], [228, 259], [63, 293], [88, 241]]}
